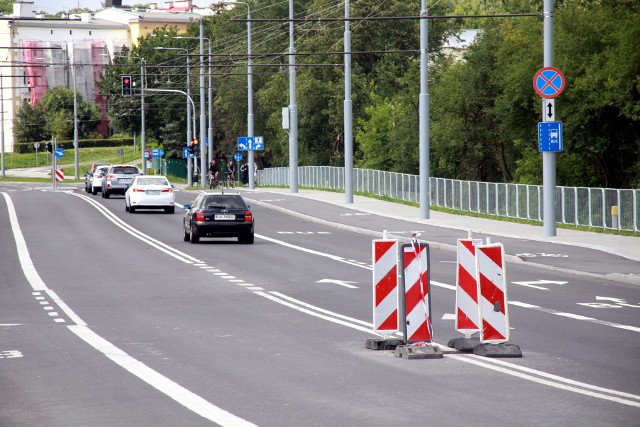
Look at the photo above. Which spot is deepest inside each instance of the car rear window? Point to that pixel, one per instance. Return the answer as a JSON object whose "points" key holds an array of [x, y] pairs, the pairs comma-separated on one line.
{"points": [[127, 170], [152, 181], [224, 202]]}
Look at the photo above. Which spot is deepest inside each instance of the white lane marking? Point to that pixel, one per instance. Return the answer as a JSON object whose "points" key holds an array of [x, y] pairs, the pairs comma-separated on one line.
{"points": [[443, 285], [179, 255], [574, 316], [504, 367], [312, 313], [453, 288], [322, 310], [345, 283], [173, 390], [311, 251], [510, 371], [2, 325], [448, 316]]}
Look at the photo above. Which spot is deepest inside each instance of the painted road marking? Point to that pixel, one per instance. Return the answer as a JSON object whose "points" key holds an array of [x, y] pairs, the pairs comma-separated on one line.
{"points": [[175, 391]]}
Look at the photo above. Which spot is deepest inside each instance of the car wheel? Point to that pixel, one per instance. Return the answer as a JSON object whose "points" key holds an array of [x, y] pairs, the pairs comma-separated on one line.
{"points": [[93, 191], [105, 194], [186, 236], [248, 239], [193, 237], [126, 207], [170, 209], [132, 209]]}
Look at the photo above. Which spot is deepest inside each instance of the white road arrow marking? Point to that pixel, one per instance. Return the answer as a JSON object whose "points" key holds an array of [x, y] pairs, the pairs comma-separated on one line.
{"points": [[344, 283], [534, 283], [619, 301]]}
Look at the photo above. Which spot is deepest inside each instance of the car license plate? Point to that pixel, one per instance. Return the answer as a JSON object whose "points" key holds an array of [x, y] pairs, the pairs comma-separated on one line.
{"points": [[124, 180], [223, 217], [153, 192]]}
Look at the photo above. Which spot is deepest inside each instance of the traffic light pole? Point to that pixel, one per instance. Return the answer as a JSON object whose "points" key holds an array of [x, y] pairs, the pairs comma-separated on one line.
{"points": [[189, 170]]}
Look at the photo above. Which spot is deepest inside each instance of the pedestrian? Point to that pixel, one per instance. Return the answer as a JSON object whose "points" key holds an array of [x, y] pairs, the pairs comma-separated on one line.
{"points": [[245, 174], [231, 171]]}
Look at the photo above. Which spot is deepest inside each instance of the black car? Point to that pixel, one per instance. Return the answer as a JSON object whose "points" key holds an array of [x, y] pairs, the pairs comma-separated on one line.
{"points": [[218, 215]]}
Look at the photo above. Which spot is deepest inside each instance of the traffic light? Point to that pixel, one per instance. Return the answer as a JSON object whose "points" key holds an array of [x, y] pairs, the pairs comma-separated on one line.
{"points": [[50, 147], [126, 85], [194, 144]]}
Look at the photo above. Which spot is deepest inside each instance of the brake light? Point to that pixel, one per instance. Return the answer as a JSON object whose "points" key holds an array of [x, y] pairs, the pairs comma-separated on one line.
{"points": [[137, 190], [110, 176], [199, 216], [167, 190], [248, 216]]}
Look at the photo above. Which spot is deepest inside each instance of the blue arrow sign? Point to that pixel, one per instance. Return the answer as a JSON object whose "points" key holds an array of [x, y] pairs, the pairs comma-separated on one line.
{"points": [[59, 152], [243, 143], [237, 157], [550, 136], [258, 143], [186, 154]]}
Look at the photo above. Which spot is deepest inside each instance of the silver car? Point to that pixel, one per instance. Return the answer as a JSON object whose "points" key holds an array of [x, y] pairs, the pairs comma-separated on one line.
{"points": [[117, 179]]}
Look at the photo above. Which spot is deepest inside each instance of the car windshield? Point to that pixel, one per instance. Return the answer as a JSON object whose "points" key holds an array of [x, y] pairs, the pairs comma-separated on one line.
{"points": [[152, 181], [127, 170], [224, 202]]}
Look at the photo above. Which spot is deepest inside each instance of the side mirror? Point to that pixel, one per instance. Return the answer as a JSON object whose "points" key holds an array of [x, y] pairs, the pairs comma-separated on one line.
{"points": [[173, 186]]}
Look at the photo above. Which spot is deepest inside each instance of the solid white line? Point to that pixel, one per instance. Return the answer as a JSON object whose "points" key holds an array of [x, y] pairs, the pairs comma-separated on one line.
{"points": [[558, 378], [312, 313], [178, 393], [173, 390], [322, 310], [512, 372], [179, 255], [23, 254], [311, 251]]}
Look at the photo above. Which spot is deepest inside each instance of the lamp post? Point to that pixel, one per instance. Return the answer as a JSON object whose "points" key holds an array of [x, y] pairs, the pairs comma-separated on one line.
{"points": [[189, 161], [250, 129], [209, 96], [143, 135], [293, 108]]}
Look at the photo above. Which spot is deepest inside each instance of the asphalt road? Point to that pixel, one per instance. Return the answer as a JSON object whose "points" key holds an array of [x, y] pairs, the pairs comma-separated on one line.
{"points": [[111, 319]]}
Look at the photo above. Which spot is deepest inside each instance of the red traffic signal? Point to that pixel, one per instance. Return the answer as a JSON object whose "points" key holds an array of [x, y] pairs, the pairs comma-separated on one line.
{"points": [[195, 142], [126, 85]]}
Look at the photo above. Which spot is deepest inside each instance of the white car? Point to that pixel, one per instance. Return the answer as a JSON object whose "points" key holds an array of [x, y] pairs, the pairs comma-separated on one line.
{"points": [[96, 179], [150, 192]]}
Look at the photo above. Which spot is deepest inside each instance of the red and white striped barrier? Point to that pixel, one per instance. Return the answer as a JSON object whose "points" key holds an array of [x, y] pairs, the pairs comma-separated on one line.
{"points": [[59, 174], [492, 288], [467, 311], [385, 286], [417, 303]]}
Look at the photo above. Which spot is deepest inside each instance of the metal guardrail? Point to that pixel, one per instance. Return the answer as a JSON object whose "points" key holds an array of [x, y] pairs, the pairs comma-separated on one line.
{"points": [[606, 208]]}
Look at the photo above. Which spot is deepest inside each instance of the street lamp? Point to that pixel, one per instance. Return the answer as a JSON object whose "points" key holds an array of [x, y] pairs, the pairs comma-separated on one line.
{"points": [[252, 183], [189, 161], [209, 96], [143, 135]]}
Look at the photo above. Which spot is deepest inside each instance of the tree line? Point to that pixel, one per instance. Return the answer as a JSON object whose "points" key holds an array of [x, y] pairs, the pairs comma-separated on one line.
{"points": [[483, 108]]}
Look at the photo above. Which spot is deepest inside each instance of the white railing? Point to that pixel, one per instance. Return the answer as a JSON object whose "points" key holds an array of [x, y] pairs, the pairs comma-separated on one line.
{"points": [[592, 207]]}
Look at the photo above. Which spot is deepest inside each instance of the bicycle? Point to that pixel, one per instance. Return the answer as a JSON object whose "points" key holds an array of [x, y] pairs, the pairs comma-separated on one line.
{"points": [[213, 180]]}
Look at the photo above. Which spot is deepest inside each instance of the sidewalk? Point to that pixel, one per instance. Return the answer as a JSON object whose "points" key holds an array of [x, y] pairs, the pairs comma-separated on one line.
{"points": [[625, 246]]}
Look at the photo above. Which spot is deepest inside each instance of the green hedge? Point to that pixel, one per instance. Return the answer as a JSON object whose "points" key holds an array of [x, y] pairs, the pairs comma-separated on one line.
{"points": [[27, 147]]}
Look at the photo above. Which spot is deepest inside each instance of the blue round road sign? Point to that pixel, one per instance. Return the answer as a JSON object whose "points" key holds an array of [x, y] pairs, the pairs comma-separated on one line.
{"points": [[59, 152], [549, 82], [237, 157]]}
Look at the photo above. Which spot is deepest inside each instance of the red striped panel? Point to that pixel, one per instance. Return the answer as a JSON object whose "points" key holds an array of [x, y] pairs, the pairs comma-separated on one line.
{"points": [[387, 285]]}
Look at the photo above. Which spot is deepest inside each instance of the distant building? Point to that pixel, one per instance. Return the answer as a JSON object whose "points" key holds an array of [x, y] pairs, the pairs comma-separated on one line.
{"points": [[49, 52], [40, 53]]}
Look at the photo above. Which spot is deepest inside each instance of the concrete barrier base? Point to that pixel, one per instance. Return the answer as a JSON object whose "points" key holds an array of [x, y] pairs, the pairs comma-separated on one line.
{"points": [[498, 350], [418, 352], [464, 344], [383, 344]]}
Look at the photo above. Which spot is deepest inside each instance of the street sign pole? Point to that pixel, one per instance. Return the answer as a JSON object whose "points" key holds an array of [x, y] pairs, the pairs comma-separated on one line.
{"points": [[548, 158]]}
